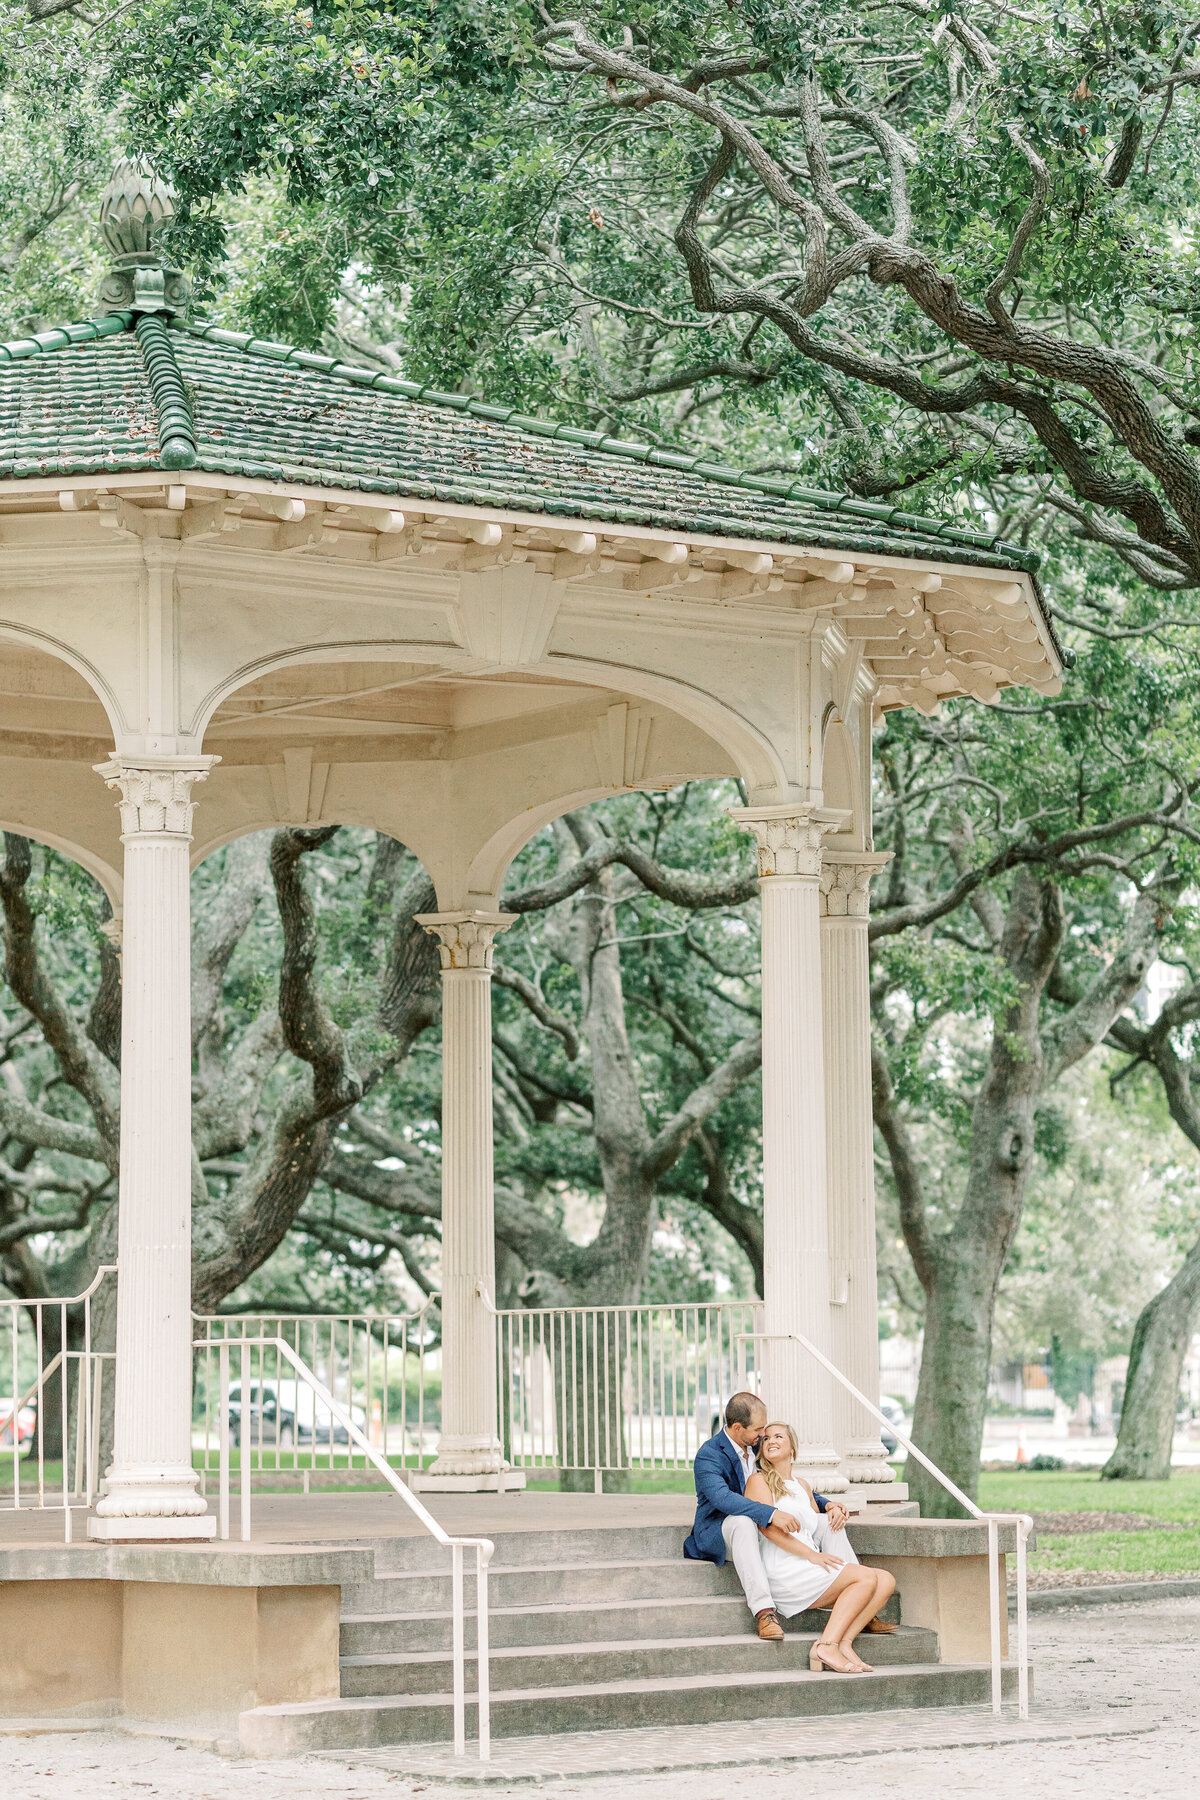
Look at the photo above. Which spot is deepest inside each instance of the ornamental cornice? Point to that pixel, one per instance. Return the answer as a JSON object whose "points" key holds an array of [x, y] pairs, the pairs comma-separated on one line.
{"points": [[155, 792], [846, 877], [790, 836], [466, 939], [670, 610]]}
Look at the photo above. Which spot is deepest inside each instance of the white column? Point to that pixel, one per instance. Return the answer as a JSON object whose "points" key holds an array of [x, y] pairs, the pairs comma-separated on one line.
{"points": [[469, 1455], [150, 1489], [845, 983], [795, 1243]]}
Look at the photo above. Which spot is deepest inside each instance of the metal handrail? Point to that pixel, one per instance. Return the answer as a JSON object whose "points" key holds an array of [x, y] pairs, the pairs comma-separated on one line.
{"points": [[483, 1547], [88, 1398], [612, 1388], [993, 1520], [362, 1343]]}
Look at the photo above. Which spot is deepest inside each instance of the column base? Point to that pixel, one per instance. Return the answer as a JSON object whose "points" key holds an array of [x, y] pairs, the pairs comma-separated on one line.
{"points": [[134, 1495], [821, 1480], [483, 1481], [185, 1528], [864, 1494], [865, 1464]]}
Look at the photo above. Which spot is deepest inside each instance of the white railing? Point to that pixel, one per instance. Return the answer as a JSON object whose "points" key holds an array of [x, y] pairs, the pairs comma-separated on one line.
{"points": [[244, 1347], [594, 1389], [59, 1394], [382, 1368], [1022, 1522], [585, 1391]]}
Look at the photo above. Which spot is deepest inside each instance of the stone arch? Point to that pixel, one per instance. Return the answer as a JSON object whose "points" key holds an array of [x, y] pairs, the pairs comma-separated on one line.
{"points": [[350, 651], [758, 761], [466, 822], [841, 780], [100, 871], [13, 632], [205, 847], [492, 861]]}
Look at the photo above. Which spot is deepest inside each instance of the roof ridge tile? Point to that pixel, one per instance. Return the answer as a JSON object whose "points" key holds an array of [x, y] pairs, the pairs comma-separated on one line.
{"points": [[41, 343], [176, 426]]}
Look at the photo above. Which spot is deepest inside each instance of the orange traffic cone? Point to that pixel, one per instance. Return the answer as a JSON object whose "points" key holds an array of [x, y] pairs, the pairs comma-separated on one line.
{"points": [[1022, 1452]]}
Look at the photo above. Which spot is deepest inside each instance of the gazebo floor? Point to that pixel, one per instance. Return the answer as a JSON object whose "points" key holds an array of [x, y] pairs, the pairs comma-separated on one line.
{"points": [[350, 1518]]}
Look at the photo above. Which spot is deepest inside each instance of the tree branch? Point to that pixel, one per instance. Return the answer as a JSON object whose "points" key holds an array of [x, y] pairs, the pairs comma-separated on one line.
{"points": [[669, 1141], [914, 1219]]}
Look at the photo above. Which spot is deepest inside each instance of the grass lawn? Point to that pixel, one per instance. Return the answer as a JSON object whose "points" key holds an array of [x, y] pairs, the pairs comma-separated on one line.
{"points": [[1164, 1541], [1174, 1502]]}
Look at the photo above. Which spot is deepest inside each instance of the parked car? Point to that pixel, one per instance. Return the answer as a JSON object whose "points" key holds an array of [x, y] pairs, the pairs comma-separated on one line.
{"points": [[893, 1412], [25, 1426], [287, 1413], [268, 1421]]}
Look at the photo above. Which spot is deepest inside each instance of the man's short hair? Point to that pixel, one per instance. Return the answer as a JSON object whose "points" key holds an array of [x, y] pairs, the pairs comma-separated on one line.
{"points": [[740, 1409]]}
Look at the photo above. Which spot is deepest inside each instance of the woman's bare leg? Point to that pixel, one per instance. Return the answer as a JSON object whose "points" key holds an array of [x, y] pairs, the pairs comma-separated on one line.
{"points": [[882, 1588], [849, 1597]]}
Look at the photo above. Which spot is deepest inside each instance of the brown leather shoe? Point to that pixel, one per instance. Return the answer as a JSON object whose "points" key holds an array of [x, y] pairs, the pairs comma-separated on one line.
{"points": [[768, 1624], [880, 1625]]}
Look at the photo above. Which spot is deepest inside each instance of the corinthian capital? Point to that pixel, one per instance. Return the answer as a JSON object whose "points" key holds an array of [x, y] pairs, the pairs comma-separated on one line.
{"points": [[156, 792], [846, 882], [789, 837], [466, 939]]}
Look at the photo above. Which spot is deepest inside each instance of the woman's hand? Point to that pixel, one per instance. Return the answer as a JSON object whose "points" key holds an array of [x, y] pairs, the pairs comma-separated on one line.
{"points": [[824, 1560]]}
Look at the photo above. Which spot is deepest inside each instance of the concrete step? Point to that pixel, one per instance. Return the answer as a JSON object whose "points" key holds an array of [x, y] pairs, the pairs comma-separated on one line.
{"points": [[584, 1621], [665, 1578], [298, 1727], [533, 1549], [536, 1666], [684, 1617]]}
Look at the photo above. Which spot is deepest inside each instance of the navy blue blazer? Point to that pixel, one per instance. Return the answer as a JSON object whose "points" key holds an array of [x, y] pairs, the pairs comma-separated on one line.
{"points": [[720, 1492]]}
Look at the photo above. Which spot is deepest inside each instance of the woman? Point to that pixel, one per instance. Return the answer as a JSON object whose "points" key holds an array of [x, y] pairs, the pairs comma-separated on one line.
{"points": [[800, 1575]]}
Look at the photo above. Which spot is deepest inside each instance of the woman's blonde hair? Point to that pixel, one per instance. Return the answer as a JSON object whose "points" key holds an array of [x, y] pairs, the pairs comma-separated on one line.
{"points": [[768, 1471]]}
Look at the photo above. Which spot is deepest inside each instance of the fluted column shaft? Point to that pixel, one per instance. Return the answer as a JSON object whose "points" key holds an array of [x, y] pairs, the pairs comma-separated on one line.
{"points": [[845, 985], [470, 1451], [150, 1489], [795, 1245]]}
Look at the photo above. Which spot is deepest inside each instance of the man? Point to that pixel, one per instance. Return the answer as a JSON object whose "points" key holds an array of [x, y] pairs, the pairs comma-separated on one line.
{"points": [[727, 1521]]}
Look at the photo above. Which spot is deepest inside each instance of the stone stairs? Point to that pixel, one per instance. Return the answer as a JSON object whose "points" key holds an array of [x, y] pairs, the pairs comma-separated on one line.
{"points": [[602, 1628]]}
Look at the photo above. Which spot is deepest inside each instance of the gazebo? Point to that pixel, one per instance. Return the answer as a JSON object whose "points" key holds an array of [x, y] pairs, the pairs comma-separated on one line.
{"points": [[331, 595]]}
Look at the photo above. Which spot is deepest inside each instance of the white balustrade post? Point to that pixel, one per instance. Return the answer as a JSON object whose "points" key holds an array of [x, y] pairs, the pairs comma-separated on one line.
{"points": [[150, 1489], [469, 1453], [795, 1242], [845, 987]]}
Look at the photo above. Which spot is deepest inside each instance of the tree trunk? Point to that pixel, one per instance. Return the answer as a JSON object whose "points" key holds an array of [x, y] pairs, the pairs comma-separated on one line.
{"points": [[955, 1366], [588, 1400], [1160, 1340], [961, 1269]]}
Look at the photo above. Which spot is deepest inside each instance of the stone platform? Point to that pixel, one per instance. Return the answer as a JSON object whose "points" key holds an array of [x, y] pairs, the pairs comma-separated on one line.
{"points": [[330, 1628]]}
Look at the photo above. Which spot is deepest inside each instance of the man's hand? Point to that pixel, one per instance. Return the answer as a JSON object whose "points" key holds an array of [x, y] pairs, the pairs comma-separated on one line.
{"points": [[786, 1521], [837, 1515]]}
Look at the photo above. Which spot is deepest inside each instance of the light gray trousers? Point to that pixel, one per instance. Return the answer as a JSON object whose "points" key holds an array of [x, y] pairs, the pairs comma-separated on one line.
{"points": [[742, 1541], [741, 1546]]}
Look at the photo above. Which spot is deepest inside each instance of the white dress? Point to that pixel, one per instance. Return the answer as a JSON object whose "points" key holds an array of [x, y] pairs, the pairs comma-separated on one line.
{"points": [[795, 1583]]}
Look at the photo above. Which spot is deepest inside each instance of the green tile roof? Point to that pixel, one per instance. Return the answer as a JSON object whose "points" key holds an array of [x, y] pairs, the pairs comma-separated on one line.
{"points": [[123, 393]]}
